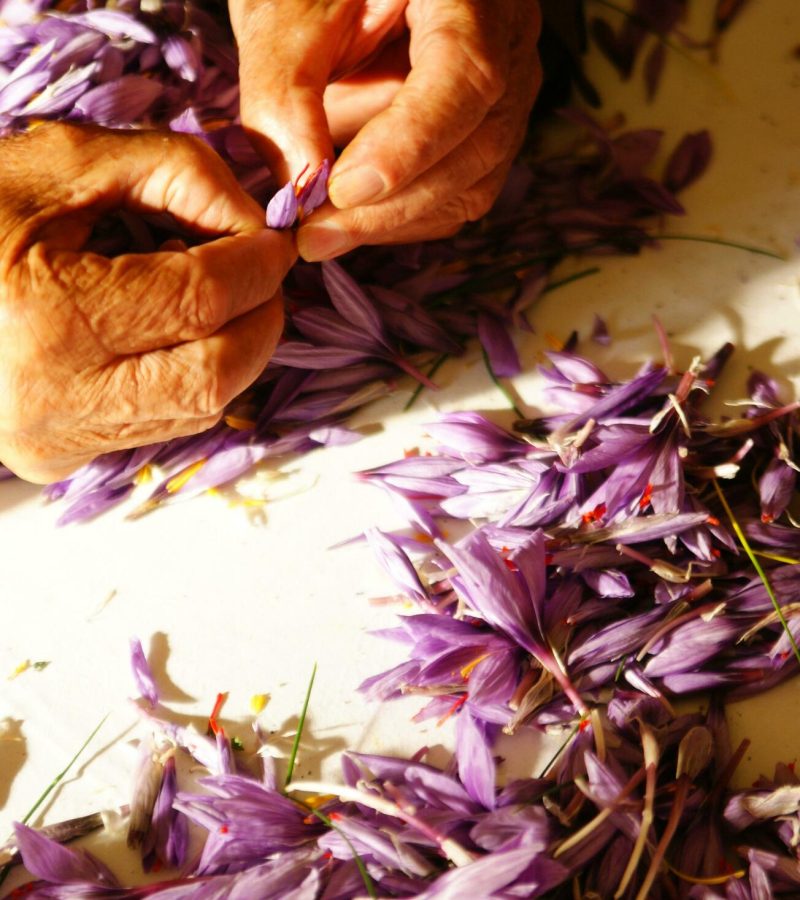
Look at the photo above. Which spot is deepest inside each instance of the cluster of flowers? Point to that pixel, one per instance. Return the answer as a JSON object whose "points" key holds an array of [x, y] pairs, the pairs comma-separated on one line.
{"points": [[605, 576], [169, 64], [603, 557]]}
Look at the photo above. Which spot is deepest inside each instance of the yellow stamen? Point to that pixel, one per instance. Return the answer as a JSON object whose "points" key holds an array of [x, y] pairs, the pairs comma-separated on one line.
{"points": [[22, 667], [713, 879], [467, 670], [258, 703], [555, 342], [178, 481], [214, 124], [317, 800], [144, 475], [240, 423]]}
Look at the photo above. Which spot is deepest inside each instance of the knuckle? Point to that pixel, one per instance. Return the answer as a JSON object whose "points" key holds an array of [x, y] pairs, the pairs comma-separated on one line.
{"points": [[487, 77], [474, 204], [215, 393], [491, 148], [191, 148], [206, 302]]}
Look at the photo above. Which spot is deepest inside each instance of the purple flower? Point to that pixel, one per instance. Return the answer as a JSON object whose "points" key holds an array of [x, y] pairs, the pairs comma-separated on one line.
{"points": [[282, 208], [245, 821]]}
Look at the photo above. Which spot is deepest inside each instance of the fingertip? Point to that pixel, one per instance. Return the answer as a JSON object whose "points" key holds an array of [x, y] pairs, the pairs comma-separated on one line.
{"points": [[355, 186], [320, 241]]}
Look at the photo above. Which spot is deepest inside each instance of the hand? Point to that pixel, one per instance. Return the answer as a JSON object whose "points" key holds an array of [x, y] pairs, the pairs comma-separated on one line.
{"points": [[438, 92], [100, 354]]}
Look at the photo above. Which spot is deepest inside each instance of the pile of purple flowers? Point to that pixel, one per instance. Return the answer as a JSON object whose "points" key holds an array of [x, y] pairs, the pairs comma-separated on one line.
{"points": [[351, 333], [605, 572], [616, 553]]}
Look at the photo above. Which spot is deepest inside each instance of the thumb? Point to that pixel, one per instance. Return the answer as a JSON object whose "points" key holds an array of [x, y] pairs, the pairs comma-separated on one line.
{"points": [[287, 52]]}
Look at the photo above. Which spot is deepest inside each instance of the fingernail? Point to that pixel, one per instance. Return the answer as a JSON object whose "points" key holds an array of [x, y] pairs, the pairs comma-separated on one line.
{"points": [[317, 242], [355, 186]]}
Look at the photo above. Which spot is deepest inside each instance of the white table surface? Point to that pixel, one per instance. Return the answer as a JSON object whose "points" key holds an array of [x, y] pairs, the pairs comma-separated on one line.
{"points": [[229, 603]]}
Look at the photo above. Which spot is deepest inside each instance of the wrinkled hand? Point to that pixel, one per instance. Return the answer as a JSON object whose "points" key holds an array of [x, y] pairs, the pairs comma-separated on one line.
{"points": [[99, 354], [436, 92]]}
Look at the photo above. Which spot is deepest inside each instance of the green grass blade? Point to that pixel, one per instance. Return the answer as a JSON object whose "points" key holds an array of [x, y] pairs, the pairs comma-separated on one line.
{"points": [[369, 884], [757, 566], [52, 786], [300, 725], [720, 242]]}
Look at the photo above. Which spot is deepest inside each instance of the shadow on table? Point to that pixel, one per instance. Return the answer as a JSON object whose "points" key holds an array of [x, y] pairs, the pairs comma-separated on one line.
{"points": [[13, 753], [14, 491]]}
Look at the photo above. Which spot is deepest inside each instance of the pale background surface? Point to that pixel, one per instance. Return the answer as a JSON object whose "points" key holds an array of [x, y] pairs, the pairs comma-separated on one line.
{"points": [[230, 604]]}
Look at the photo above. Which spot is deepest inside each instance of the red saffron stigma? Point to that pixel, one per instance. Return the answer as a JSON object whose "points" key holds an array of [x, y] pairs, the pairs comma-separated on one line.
{"points": [[647, 495], [712, 520], [594, 515], [212, 719], [767, 518], [453, 709]]}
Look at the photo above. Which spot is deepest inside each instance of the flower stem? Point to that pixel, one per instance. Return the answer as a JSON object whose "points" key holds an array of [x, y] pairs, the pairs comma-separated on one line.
{"points": [[561, 749], [720, 242], [501, 387], [757, 566], [440, 360]]}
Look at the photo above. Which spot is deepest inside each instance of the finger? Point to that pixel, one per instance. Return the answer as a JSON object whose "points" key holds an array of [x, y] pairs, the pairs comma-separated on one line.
{"points": [[137, 303], [286, 54], [459, 69], [101, 170], [289, 50], [464, 185], [351, 102], [446, 220], [79, 448], [196, 379]]}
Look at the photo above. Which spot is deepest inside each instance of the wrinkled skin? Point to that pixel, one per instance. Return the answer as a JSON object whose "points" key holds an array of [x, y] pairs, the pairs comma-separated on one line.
{"points": [[101, 354], [429, 98]]}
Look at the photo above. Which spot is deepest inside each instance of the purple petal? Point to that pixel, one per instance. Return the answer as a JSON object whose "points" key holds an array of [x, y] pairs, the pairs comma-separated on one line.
{"points": [[282, 208], [776, 488], [499, 347], [51, 862], [14, 95], [351, 302], [397, 564], [142, 674], [114, 24], [476, 766], [124, 100], [688, 161], [315, 191]]}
